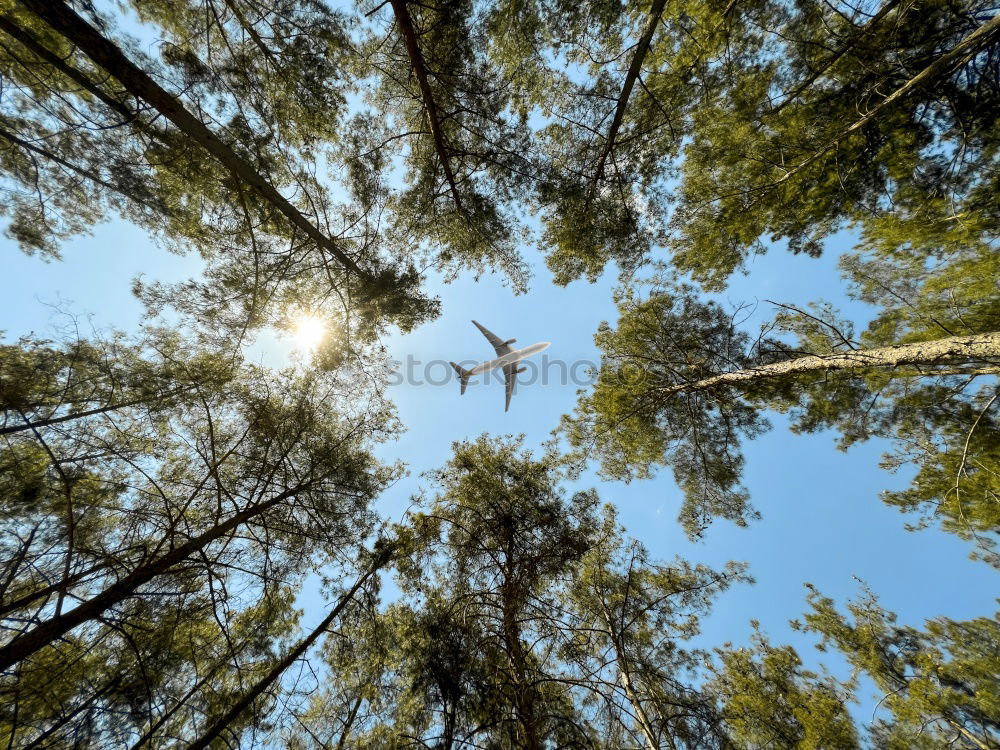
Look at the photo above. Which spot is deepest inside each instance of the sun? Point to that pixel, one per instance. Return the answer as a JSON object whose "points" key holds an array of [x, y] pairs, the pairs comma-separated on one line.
{"points": [[309, 331]]}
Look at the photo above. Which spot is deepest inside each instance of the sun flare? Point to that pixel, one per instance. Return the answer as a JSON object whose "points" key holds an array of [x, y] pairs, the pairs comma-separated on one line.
{"points": [[309, 331]]}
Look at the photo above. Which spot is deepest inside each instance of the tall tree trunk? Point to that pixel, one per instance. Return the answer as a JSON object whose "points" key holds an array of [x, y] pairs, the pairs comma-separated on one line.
{"points": [[349, 722], [102, 51], [271, 677], [640, 711], [419, 67], [9, 26], [950, 351], [634, 70], [524, 693], [45, 633], [975, 740]]}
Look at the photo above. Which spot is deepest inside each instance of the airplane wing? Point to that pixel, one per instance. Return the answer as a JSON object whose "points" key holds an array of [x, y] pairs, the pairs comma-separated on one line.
{"points": [[498, 343], [510, 375]]}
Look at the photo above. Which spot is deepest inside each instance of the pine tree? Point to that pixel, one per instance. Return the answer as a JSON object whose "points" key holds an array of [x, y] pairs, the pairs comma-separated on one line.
{"points": [[618, 88], [524, 619], [868, 133], [152, 548], [441, 105], [713, 128], [506, 534], [629, 619]]}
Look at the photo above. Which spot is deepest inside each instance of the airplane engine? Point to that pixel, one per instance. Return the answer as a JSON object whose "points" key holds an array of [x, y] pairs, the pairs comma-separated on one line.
{"points": [[522, 369], [508, 342]]}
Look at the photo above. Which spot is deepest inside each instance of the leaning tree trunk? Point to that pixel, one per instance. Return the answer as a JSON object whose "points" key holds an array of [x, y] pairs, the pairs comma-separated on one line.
{"points": [[974, 352], [271, 677], [28, 40], [970, 736], [634, 70], [102, 51], [419, 66], [56, 627]]}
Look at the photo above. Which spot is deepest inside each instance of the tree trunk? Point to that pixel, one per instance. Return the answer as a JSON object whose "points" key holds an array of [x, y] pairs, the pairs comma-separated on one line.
{"points": [[102, 51], [626, 679], [349, 723], [634, 70], [640, 711], [975, 740], [258, 689], [45, 633], [524, 703], [420, 71], [949, 351], [9, 26]]}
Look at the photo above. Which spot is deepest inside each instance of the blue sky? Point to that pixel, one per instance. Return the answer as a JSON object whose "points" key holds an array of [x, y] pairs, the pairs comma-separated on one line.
{"points": [[822, 520]]}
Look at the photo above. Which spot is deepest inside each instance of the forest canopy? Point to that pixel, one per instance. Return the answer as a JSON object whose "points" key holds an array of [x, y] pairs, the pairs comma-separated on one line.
{"points": [[168, 502]]}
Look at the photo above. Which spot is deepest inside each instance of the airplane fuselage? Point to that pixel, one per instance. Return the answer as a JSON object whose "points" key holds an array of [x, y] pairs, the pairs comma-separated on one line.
{"points": [[509, 359]]}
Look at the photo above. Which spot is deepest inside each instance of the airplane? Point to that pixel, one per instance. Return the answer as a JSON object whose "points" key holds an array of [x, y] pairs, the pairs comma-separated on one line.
{"points": [[507, 358]]}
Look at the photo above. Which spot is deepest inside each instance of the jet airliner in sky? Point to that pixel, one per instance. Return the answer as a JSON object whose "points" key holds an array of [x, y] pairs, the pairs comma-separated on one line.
{"points": [[507, 358]]}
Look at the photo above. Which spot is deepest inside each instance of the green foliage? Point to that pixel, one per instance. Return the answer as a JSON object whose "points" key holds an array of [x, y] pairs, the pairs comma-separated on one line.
{"points": [[465, 154], [131, 451], [525, 620], [782, 148], [631, 423], [497, 537], [682, 384], [270, 87], [604, 196], [940, 684], [752, 122], [317, 159], [629, 619], [768, 700]]}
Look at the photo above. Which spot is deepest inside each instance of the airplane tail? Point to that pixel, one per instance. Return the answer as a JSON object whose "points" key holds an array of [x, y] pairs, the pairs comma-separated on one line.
{"points": [[463, 376]]}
